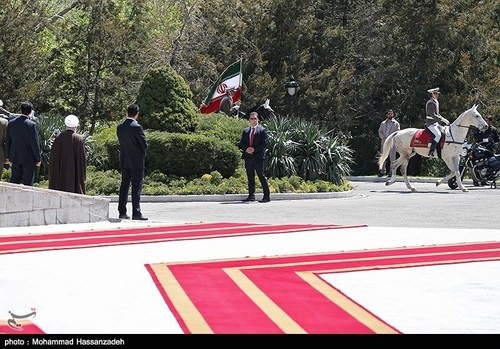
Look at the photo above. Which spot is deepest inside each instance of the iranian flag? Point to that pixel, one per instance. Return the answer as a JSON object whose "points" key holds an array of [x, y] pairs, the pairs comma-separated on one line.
{"points": [[230, 79]]}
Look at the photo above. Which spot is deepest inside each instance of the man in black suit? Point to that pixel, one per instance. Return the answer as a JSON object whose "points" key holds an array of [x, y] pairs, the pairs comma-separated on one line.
{"points": [[23, 146], [253, 144], [133, 146], [3, 154]]}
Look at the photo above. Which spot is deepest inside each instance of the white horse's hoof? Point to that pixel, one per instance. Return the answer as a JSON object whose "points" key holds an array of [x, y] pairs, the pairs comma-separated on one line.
{"points": [[413, 189], [389, 182], [465, 190], [438, 183]]}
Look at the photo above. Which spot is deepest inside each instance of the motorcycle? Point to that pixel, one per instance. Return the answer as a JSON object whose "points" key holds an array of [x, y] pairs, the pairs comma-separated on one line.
{"points": [[480, 162]]}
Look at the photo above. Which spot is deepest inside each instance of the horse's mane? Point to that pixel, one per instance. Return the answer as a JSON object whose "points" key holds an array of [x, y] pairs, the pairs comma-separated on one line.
{"points": [[473, 109], [264, 110]]}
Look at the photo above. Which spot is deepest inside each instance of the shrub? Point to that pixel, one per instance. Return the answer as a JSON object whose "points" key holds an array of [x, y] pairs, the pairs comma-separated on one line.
{"points": [[190, 156], [106, 149], [221, 126], [165, 102], [303, 148], [102, 182]]}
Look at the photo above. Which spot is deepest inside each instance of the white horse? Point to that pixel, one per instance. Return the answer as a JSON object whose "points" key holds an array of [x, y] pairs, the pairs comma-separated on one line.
{"points": [[408, 143]]}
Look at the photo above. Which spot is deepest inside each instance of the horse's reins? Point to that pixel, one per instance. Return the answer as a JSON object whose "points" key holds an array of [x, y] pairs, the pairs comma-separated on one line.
{"points": [[453, 138]]}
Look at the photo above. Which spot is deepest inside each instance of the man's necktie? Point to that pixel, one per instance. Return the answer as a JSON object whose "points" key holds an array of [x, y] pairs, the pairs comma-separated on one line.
{"points": [[252, 134]]}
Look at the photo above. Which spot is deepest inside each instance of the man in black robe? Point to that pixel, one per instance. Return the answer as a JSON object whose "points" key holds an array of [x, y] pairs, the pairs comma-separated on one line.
{"points": [[67, 164]]}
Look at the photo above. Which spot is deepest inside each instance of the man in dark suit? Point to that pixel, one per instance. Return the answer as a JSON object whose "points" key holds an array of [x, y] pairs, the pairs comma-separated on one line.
{"points": [[23, 146], [253, 144], [3, 154], [133, 146]]}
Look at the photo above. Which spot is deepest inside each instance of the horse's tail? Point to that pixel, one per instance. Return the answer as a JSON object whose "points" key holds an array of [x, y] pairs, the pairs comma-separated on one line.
{"points": [[387, 148]]}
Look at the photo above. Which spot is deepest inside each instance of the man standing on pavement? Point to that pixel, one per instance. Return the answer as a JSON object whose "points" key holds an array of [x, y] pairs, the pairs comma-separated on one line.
{"points": [[23, 146], [67, 164], [3, 136], [133, 146], [253, 144], [388, 126]]}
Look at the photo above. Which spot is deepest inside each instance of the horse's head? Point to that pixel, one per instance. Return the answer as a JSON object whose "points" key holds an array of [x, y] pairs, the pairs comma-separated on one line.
{"points": [[264, 110], [471, 117], [476, 118]]}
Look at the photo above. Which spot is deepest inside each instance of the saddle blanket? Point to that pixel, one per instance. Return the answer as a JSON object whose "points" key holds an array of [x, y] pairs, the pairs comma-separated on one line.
{"points": [[422, 138]]}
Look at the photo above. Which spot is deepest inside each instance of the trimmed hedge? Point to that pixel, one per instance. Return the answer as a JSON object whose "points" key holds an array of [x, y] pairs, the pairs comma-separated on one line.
{"points": [[174, 154], [190, 156]]}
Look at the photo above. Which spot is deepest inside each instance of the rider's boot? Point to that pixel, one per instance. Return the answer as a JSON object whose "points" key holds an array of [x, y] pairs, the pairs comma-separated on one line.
{"points": [[432, 148]]}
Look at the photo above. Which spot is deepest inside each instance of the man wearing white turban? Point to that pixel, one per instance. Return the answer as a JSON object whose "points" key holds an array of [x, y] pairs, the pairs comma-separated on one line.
{"points": [[67, 164]]}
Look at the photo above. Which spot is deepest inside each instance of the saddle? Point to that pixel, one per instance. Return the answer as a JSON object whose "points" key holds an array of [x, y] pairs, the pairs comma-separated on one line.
{"points": [[423, 137]]}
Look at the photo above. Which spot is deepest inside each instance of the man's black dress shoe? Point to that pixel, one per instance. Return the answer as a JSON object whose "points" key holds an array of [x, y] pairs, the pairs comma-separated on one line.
{"points": [[250, 198], [265, 200], [123, 216], [139, 218]]}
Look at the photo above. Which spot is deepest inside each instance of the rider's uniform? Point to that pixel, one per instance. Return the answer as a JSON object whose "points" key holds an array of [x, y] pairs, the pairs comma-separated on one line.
{"points": [[433, 118]]}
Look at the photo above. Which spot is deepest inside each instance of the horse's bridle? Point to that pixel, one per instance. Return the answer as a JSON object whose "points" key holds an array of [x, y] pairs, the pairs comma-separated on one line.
{"points": [[451, 135]]}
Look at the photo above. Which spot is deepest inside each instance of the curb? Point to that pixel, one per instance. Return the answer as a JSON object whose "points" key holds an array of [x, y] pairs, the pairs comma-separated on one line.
{"points": [[238, 197], [399, 179], [276, 196]]}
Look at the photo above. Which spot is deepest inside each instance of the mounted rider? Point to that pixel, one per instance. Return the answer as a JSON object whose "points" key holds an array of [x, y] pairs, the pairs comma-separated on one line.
{"points": [[433, 118]]}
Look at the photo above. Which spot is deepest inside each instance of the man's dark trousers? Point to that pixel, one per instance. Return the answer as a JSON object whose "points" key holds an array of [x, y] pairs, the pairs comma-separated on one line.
{"points": [[24, 173], [134, 177], [253, 166]]}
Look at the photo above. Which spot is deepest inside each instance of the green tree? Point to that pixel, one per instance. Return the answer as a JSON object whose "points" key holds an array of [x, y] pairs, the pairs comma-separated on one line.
{"points": [[93, 55], [22, 60]]}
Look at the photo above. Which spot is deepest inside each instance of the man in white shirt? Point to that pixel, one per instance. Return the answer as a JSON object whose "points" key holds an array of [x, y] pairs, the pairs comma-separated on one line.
{"points": [[388, 126]]}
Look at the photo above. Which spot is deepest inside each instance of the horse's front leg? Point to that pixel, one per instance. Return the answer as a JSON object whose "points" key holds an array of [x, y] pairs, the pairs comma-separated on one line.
{"points": [[453, 165], [459, 182]]}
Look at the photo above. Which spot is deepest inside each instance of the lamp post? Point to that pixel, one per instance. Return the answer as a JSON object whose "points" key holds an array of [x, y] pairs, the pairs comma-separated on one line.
{"points": [[291, 87]]}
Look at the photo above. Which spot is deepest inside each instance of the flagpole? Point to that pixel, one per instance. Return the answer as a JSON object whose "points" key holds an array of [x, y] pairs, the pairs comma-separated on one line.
{"points": [[241, 72]]}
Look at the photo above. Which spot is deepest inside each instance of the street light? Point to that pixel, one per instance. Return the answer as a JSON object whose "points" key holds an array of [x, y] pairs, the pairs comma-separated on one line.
{"points": [[291, 87]]}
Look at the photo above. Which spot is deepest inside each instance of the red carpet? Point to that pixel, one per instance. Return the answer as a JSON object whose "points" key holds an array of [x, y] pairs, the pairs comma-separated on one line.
{"points": [[286, 294], [20, 327], [141, 235]]}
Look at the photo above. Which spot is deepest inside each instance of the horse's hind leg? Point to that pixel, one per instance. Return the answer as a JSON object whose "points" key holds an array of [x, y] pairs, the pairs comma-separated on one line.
{"points": [[404, 171], [401, 161], [394, 169]]}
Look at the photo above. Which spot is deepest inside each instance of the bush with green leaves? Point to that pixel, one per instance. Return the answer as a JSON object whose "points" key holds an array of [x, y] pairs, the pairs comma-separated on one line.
{"points": [[221, 126], [107, 183], [106, 148], [165, 102], [6, 175], [190, 156], [303, 148], [301, 157], [102, 182]]}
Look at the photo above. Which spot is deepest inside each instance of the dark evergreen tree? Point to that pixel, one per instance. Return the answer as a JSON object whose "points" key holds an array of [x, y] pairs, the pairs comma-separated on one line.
{"points": [[166, 103]]}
